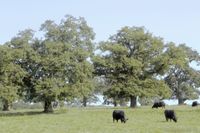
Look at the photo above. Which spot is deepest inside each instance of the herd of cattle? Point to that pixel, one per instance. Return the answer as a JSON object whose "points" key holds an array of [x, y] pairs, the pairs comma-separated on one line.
{"points": [[169, 114]]}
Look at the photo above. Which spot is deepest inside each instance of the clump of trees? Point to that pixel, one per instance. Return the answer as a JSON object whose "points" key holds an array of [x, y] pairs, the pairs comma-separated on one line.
{"points": [[64, 66]]}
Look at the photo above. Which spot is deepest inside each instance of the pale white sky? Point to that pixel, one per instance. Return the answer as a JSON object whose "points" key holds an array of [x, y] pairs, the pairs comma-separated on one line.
{"points": [[174, 20]]}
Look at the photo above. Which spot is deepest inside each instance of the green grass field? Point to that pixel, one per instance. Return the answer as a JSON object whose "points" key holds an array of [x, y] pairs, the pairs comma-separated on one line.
{"points": [[99, 120]]}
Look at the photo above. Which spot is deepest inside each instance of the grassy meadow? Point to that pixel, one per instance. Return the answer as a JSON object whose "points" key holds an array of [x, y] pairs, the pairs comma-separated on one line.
{"points": [[99, 120]]}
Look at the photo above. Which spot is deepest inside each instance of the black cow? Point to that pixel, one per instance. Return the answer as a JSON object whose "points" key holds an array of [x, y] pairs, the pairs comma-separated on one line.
{"points": [[195, 103], [159, 104], [119, 114], [170, 114]]}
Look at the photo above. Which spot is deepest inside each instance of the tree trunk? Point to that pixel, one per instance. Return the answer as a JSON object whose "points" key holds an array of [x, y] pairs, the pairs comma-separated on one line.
{"points": [[180, 98], [133, 102], [115, 103], [84, 101], [47, 106], [6, 106], [122, 102]]}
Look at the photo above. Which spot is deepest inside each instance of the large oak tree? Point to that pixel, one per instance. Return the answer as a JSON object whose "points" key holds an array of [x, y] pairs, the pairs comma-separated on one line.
{"points": [[131, 62]]}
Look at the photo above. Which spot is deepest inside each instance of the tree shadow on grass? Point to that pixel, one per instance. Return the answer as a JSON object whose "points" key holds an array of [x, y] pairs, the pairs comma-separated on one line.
{"points": [[31, 112], [24, 113]]}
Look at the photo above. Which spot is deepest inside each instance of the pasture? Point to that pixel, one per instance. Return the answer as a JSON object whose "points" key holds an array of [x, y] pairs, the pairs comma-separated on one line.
{"points": [[99, 120]]}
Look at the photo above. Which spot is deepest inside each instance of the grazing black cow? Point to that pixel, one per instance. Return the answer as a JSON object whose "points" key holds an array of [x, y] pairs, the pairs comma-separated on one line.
{"points": [[170, 114], [119, 114], [159, 104], [195, 103]]}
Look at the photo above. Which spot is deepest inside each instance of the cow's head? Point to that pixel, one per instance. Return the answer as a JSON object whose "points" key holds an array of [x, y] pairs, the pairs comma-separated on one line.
{"points": [[124, 120], [175, 119]]}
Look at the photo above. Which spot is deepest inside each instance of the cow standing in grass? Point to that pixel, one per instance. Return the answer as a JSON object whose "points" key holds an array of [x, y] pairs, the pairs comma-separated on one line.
{"points": [[170, 114], [195, 103], [159, 104], [119, 115]]}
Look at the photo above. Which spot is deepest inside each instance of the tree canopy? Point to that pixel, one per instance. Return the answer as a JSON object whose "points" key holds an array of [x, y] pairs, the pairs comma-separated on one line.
{"points": [[131, 60], [65, 65]]}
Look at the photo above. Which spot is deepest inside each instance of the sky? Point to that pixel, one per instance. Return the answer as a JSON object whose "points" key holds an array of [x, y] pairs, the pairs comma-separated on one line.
{"points": [[174, 20]]}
